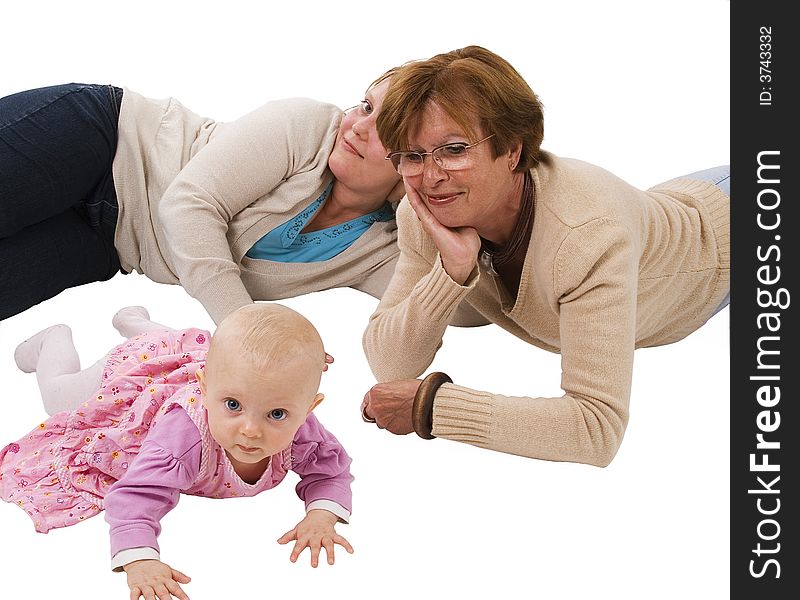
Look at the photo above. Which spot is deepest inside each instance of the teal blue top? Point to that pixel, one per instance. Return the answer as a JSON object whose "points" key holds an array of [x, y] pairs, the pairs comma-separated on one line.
{"points": [[285, 243]]}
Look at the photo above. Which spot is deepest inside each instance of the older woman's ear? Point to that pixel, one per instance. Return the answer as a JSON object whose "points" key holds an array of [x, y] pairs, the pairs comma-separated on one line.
{"points": [[514, 154]]}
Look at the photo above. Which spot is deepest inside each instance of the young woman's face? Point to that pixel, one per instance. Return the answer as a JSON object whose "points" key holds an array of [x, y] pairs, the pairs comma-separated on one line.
{"points": [[358, 159], [253, 415]]}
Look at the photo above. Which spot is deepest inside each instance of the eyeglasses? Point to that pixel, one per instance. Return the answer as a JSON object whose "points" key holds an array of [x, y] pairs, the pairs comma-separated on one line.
{"points": [[450, 157]]}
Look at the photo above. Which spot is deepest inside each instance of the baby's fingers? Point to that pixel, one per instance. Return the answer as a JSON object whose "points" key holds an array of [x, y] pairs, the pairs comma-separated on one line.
{"points": [[298, 548], [163, 592], [176, 591], [145, 591], [315, 549], [180, 577], [343, 543], [328, 544], [288, 536]]}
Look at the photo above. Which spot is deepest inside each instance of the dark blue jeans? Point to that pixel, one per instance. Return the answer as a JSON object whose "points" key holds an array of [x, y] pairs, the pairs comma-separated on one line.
{"points": [[58, 207]]}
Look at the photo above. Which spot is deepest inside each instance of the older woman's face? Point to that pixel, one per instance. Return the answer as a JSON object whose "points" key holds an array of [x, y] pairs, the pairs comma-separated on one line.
{"points": [[477, 196], [358, 157]]}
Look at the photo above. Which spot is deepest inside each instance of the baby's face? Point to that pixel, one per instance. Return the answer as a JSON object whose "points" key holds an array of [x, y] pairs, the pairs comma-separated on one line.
{"points": [[253, 415]]}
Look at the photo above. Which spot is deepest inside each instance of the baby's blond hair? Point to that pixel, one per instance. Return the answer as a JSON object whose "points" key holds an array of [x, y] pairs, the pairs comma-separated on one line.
{"points": [[269, 336]]}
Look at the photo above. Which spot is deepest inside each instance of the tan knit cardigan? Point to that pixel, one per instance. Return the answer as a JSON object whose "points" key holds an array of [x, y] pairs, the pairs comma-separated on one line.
{"points": [[195, 195], [609, 268]]}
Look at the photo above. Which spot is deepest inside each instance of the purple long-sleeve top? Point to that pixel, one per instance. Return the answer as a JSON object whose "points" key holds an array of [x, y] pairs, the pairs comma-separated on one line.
{"points": [[169, 463]]}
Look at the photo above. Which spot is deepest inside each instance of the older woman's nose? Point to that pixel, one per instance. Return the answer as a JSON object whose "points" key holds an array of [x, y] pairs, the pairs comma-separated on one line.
{"points": [[432, 173]]}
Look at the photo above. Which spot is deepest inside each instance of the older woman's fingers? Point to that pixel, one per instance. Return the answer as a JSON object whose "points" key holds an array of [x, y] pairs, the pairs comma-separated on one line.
{"points": [[421, 209], [365, 416]]}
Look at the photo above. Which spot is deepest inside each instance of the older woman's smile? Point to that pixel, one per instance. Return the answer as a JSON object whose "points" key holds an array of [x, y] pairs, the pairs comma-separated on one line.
{"points": [[436, 200]]}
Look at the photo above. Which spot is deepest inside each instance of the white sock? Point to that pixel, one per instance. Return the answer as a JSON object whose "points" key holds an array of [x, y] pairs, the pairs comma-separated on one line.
{"points": [[52, 355], [134, 320]]}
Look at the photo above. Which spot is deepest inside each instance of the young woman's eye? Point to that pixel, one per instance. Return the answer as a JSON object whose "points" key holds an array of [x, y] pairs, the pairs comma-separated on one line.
{"points": [[365, 107], [277, 414], [232, 405], [454, 149]]}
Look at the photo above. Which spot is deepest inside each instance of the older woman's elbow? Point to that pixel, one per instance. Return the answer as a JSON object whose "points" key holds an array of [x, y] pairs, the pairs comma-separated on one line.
{"points": [[604, 425], [609, 442]]}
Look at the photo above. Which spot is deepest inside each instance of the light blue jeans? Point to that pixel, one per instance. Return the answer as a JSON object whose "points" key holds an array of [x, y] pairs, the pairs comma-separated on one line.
{"points": [[721, 177]]}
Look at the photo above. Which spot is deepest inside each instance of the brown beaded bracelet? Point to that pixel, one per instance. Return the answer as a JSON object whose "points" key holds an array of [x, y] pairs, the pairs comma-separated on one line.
{"points": [[422, 411]]}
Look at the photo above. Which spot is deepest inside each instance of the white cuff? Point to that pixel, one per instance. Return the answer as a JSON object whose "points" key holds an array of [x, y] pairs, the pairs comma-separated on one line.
{"points": [[124, 557], [331, 506]]}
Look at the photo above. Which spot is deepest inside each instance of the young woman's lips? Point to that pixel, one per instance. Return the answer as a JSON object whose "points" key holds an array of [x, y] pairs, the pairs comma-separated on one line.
{"points": [[246, 449], [350, 148], [442, 199]]}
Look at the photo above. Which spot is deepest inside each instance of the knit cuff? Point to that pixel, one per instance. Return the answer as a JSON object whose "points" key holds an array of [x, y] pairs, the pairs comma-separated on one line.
{"points": [[439, 295], [462, 415]]}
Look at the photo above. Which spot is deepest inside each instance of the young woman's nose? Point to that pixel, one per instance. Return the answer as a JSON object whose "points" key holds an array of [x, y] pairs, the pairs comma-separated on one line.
{"points": [[363, 126]]}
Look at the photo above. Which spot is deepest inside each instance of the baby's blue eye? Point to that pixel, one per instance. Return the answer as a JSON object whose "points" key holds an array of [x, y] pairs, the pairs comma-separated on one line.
{"points": [[232, 404], [277, 414]]}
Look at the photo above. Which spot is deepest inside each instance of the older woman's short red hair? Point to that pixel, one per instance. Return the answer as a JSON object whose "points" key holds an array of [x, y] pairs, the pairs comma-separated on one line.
{"points": [[470, 85]]}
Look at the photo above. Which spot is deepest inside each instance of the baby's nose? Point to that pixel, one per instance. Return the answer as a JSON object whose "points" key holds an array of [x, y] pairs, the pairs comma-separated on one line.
{"points": [[250, 429]]}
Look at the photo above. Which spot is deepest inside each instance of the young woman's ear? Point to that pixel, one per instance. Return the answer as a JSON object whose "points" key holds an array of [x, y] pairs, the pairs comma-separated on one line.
{"points": [[317, 399]]}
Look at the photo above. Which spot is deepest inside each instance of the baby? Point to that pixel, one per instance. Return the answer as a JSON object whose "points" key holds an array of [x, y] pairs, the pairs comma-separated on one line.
{"points": [[175, 411]]}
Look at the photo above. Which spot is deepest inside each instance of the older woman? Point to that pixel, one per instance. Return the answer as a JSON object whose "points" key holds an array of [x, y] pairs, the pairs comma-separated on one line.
{"points": [[558, 252], [289, 199]]}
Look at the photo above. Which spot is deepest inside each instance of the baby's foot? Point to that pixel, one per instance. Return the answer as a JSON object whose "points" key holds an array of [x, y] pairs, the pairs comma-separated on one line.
{"points": [[128, 320], [27, 353]]}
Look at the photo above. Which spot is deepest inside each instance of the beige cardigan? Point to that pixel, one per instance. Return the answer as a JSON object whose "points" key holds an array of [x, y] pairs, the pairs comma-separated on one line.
{"points": [[195, 195], [609, 268]]}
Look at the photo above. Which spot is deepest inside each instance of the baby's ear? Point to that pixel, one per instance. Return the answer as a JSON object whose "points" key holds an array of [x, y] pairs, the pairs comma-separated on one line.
{"points": [[317, 399], [201, 379]]}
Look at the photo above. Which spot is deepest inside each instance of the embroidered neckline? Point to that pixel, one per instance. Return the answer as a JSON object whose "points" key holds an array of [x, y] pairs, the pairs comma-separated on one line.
{"points": [[292, 234]]}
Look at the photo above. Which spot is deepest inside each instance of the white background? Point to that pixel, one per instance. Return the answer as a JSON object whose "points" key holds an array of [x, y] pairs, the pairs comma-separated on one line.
{"points": [[640, 88]]}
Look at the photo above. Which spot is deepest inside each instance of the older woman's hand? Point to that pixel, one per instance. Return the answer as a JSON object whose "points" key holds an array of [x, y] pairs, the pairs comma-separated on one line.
{"points": [[458, 246], [389, 405]]}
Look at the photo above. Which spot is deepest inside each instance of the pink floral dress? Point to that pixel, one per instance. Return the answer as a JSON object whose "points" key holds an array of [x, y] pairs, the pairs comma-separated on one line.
{"points": [[60, 472]]}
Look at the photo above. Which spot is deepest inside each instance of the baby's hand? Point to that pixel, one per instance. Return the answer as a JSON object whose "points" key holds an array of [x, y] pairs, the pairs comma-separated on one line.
{"points": [[315, 531], [153, 579]]}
